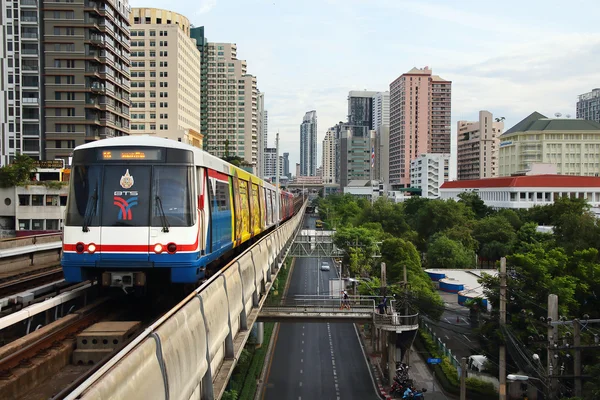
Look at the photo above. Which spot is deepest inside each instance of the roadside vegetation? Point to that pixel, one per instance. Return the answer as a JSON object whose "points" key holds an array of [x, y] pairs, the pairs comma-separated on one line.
{"points": [[422, 233]]}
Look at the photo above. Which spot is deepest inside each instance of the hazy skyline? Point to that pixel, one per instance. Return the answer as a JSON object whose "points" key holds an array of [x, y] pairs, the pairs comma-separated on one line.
{"points": [[510, 58]]}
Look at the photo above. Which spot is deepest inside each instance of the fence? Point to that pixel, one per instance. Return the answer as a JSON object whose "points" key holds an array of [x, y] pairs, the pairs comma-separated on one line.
{"points": [[440, 344]]}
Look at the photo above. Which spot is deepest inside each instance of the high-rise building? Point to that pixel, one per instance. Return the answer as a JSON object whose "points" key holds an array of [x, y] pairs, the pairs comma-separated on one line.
{"points": [[271, 165], [382, 155], [355, 155], [381, 109], [329, 157], [165, 76], [477, 147], [202, 46], [286, 165], [21, 90], [360, 108], [308, 144], [429, 172], [262, 133], [86, 73], [588, 105], [419, 120], [571, 145], [232, 105], [297, 170]]}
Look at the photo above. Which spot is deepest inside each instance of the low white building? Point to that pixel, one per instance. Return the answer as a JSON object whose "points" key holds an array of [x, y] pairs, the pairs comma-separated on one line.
{"points": [[32, 208], [364, 188], [428, 172], [526, 191]]}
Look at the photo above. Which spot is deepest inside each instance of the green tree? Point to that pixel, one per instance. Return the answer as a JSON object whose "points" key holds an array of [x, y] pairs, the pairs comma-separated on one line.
{"points": [[359, 244], [18, 172], [447, 253], [474, 202], [496, 237], [575, 231]]}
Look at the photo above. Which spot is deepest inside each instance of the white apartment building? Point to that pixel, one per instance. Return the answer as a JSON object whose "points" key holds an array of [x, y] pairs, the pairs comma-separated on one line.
{"points": [[428, 172], [526, 191], [477, 147], [381, 110], [165, 76], [382, 155], [271, 165], [20, 85], [572, 145], [329, 157], [232, 105], [262, 144]]}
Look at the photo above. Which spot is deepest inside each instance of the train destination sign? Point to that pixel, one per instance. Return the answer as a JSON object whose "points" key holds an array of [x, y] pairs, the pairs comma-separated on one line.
{"points": [[130, 154]]}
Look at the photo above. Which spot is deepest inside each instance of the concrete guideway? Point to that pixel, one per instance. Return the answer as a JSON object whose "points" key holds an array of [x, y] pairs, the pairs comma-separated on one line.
{"points": [[191, 351]]}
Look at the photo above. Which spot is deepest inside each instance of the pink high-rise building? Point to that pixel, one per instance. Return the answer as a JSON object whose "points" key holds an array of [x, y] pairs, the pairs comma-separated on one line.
{"points": [[419, 120]]}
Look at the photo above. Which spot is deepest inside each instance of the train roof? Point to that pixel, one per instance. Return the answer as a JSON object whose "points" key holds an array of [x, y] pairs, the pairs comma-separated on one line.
{"points": [[148, 140], [137, 140]]}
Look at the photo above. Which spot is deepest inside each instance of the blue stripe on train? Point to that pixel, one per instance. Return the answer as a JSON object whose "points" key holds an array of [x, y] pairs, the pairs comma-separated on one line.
{"points": [[185, 267]]}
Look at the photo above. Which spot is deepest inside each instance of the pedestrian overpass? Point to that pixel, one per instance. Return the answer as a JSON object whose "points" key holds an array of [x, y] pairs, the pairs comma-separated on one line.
{"points": [[320, 308], [318, 243]]}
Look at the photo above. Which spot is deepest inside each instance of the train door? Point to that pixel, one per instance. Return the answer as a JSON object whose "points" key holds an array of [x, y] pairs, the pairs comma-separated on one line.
{"points": [[125, 213]]}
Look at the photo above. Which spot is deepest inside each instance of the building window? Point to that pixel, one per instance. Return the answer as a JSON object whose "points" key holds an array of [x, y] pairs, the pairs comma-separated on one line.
{"points": [[24, 224], [24, 199], [52, 225], [37, 200], [37, 224]]}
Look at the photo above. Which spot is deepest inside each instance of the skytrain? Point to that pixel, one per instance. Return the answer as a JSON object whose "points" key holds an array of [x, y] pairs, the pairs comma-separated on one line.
{"points": [[144, 209]]}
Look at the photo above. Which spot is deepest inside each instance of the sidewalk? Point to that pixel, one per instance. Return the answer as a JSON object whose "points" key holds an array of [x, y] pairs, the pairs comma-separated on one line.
{"points": [[419, 373]]}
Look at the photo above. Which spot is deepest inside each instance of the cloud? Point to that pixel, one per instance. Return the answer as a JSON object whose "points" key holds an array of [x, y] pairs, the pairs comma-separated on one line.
{"points": [[206, 6]]}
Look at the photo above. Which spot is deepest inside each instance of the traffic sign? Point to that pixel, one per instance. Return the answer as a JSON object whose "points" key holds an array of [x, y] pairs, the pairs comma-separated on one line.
{"points": [[434, 360]]}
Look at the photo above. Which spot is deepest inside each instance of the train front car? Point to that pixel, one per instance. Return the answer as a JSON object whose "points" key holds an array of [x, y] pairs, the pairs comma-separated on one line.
{"points": [[132, 214]]}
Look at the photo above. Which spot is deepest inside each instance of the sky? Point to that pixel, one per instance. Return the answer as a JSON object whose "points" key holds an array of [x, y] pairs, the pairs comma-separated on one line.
{"points": [[511, 57]]}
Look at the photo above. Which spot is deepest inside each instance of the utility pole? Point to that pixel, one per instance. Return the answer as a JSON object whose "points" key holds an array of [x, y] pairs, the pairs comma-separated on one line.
{"points": [[502, 377], [277, 178], [577, 358], [383, 279], [463, 378], [552, 339]]}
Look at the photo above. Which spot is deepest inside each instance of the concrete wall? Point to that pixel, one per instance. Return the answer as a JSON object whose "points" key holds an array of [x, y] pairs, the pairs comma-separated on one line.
{"points": [[183, 354]]}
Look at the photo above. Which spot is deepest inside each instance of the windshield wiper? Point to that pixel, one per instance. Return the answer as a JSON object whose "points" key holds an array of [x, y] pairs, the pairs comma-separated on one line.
{"points": [[163, 216], [90, 211]]}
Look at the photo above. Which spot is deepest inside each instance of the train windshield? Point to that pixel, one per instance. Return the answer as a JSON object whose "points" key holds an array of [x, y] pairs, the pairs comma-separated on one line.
{"points": [[131, 195]]}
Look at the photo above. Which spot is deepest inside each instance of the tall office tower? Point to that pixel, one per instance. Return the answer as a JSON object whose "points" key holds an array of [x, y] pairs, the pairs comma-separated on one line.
{"points": [[419, 120], [165, 76], [202, 46], [588, 105], [308, 144], [262, 136], [21, 116], [478, 144], [382, 155], [381, 109], [86, 73], [329, 157], [232, 105], [286, 165], [360, 108], [355, 155]]}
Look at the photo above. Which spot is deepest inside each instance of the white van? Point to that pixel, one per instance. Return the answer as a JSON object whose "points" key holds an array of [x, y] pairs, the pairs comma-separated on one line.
{"points": [[477, 363], [324, 266]]}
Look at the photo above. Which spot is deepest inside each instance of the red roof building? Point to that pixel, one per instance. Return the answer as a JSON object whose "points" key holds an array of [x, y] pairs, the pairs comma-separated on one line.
{"points": [[526, 191]]}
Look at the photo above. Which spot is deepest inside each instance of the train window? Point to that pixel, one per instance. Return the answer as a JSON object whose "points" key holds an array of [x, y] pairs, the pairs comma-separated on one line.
{"points": [[126, 197], [222, 196], [172, 196], [84, 195]]}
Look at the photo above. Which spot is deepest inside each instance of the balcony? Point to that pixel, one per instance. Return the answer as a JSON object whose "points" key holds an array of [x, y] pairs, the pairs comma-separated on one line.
{"points": [[29, 52], [28, 19], [97, 88], [33, 36], [29, 101], [28, 3]]}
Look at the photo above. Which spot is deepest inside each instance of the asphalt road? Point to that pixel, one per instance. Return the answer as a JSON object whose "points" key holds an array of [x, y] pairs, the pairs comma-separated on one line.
{"points": [[454, 328], [317, 360]]}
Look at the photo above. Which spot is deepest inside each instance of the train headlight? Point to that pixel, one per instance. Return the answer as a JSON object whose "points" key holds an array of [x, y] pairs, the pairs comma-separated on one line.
{"points": [[79, 247], [171, 248], [158, 248], [91, 248]]}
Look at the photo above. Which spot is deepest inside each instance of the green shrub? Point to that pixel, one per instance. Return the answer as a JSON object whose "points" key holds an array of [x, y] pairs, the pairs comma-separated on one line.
{"points": [[475, 385]]}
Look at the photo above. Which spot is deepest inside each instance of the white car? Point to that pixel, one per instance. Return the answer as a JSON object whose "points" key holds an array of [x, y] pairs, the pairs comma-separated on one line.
{"points": [[324, 266]]}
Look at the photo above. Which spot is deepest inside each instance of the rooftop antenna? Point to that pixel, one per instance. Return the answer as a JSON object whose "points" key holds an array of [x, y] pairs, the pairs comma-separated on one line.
{"points": [[557, 115]]}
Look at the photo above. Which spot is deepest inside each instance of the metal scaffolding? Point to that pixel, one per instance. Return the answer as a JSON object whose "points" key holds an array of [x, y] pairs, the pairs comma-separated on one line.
{"points": [[315, 243]]}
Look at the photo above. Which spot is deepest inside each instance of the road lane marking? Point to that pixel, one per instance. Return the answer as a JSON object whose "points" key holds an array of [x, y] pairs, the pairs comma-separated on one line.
{"points": [[301, 372], [300, 384], [467, 338], [337, 388]]}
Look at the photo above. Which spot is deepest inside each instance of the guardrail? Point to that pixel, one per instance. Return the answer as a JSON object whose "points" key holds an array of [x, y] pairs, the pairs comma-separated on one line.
{"points": [[396, 320], [190, 352], [9, 243], [22, 252], [333, 303]]}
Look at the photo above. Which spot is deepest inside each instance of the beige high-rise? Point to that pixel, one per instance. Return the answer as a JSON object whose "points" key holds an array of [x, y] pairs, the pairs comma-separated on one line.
{"points": [[329, 157], [477, 147], [420, 118], [232, 105], [165, 76]]}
